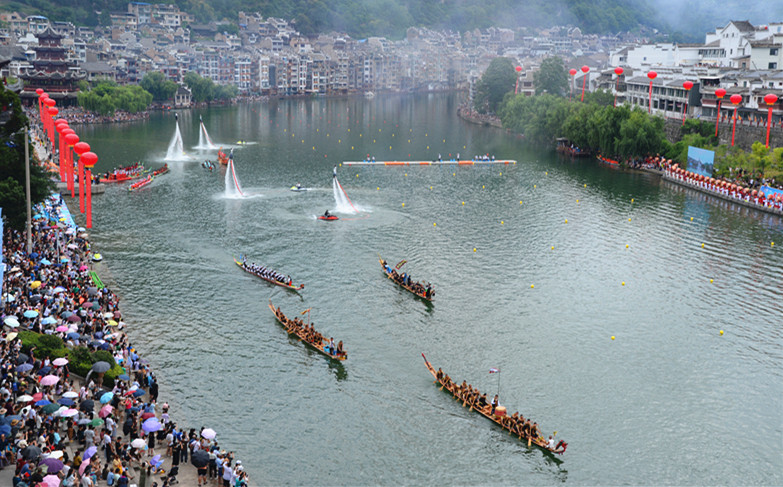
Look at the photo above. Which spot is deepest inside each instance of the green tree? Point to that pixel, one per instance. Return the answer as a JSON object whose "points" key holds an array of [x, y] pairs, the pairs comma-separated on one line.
{"points": [[13, 200], [496, 81], [162, 89], [551, 77]]}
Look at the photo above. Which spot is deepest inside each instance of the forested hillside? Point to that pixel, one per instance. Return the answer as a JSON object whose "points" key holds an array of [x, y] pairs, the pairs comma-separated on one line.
{"points": [[361, 18]]}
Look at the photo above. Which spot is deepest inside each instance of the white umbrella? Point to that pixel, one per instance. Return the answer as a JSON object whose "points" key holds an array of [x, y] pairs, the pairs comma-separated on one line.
{"points": [[71, 395], [54, 454], [138, 443], [209, 433], [11, 321], [24, 398], [60, 361]]}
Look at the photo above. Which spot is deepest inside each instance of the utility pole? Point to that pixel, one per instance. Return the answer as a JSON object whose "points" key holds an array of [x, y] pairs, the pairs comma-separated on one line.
{"points": [[27, 188]]}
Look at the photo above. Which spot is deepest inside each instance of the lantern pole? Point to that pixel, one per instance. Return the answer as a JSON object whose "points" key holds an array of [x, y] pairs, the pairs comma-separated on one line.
{"points": [[88, 178], [717, 118], [770, 100], [27, 191], [734, 125]]}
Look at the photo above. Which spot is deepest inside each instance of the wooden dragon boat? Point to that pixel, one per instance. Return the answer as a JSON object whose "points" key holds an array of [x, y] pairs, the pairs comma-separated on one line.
{"points": [[273, 281], [499, 419], [423, 295], [322, 347]]}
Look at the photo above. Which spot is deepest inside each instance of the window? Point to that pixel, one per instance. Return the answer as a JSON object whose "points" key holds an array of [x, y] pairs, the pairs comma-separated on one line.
{"points": [[773, 51], [773, 66]]}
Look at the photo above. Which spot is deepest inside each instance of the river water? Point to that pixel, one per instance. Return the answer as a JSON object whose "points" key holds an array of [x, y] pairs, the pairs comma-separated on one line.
{"points": [[568, 254]]}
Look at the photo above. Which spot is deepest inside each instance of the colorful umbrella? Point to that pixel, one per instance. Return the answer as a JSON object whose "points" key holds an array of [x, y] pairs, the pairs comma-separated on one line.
{"points": [[49, 380], [208, 433], [105, 411], [30, 313], [60, 361]]}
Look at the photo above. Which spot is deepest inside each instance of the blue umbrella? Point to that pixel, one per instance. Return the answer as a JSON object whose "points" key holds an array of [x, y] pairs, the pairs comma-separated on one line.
{"points": [[5, 429], [73, 335], [105, 346], [65, 401], [138, 393], [30, 313], [42, 402], [44, 370], [58, 289], [98, 334], [107, 397], [46, 262], [24, 367], [123, 377], [48, 321], [66, 314]]}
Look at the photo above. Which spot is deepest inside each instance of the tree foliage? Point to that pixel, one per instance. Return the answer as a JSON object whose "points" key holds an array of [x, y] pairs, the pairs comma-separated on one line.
{"points": [[159, 86], [107, 97], [497, 80], [13, 199], [551, 77], [205, 90]]}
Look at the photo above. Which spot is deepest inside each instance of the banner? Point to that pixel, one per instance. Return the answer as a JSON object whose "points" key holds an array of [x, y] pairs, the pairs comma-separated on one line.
{"points": [[770, 191], [700, 161]]}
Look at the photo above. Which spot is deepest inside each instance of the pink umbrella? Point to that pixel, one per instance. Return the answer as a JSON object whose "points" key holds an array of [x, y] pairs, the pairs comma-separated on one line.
{"points": [[62, 328], [51, 481], [69, 413], [105, 411], [60, 361], [37, 396], [82, 467], [83, 268], [50, 380]]}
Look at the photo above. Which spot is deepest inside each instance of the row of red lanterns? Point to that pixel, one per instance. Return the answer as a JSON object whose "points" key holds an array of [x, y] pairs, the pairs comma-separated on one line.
{"points": [[769, 99], [69, 143]]}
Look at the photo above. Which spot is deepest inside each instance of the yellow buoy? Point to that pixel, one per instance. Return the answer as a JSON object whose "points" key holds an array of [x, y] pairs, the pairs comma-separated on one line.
{"points": [[553, 247], [403, 205], [691, 218], [546, 173], [702, 245], [453, 174], [463, 203], [434, 224], [585, 185], [772, 244], [623, 283], [566, 220], [629, 219], [631, 200], [577, 200], [430, 187], [520, 202], [535, 186], [710, 281], [626, 246], [532, 286], [612, 337], [721, 332], [474, 249], [482, 186], [406, 174], [378, 188], [357, 175], [501, 222], [341, 164], [501, 174]]}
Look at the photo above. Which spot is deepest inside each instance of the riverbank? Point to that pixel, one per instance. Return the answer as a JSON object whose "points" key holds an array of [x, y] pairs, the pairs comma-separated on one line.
{"points": [[472, 116], [54, 292]]}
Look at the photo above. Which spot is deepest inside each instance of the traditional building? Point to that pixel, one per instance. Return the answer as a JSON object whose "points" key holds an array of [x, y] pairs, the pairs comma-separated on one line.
{"points": [[52, 71]]}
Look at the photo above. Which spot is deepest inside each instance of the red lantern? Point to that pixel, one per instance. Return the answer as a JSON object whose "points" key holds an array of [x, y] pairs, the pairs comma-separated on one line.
{"points": [[687, 85], [519, 69], [49, 102], [652, 75], [719, 94], [735, 100], [38, 91], [770, 100], [618, 71], [585, 69], [572, 71], [81, 148], [88, 159]]}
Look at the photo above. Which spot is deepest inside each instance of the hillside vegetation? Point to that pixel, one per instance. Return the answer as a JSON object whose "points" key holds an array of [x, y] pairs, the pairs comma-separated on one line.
{"points": [[362, 18]]}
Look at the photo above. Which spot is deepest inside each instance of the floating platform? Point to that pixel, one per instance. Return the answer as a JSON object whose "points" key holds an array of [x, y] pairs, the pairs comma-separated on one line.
{"points": [[428, 163], [96, 188]]}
